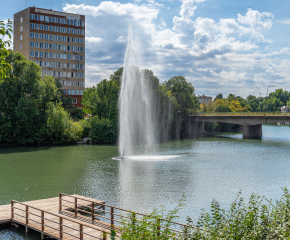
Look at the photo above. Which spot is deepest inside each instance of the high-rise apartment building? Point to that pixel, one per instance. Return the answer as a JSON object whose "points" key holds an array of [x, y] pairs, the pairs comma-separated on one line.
{"points": [[56, 42]]}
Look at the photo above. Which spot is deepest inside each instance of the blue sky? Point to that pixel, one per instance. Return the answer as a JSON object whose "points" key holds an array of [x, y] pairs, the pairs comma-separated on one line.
{"points": [[220, 46]]}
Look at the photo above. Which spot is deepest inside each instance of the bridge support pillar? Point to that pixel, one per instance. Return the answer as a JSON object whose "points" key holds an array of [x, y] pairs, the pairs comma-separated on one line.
{"points": [[252, 131]]}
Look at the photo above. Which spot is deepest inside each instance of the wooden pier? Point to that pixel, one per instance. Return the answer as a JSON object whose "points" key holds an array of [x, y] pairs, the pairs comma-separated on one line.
{"points": [[76, 217]]}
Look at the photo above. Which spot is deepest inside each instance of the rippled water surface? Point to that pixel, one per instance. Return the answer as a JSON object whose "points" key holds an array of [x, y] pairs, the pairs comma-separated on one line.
{"points": [[204, 169]]}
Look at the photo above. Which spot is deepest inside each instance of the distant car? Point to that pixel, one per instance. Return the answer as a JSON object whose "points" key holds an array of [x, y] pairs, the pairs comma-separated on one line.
{"points": [[285, 109]]}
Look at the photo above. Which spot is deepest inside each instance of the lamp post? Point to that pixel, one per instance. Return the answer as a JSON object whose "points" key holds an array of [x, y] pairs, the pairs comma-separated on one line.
{"points": [[266, 96], [260, 98]]}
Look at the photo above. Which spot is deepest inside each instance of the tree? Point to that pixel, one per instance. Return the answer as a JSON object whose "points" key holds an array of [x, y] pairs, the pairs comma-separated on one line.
{"points": [[219, 96], [183, 92], [5, 31]]}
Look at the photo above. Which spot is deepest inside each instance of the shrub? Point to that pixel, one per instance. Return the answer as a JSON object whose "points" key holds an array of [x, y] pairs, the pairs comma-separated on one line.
{"points": [[103, 130]]}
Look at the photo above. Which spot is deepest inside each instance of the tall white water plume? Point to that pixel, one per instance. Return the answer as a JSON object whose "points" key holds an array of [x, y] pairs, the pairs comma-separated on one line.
{"points": [[137, 120]]}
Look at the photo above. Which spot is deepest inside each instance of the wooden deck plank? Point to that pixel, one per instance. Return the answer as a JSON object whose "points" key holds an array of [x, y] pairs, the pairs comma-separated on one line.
{"points": [[71, 223]]}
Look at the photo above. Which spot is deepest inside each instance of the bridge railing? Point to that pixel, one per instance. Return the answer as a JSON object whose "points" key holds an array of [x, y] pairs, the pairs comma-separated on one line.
{"points": [[241, 114]]}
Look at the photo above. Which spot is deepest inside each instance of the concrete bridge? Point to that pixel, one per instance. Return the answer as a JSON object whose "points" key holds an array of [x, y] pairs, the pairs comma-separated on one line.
{"points": [[252, 122]]}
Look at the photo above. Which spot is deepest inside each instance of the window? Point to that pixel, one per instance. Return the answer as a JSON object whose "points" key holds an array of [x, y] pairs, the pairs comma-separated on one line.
{"points": [[73, 48], [20, 28], [82, 23], [36, 54], [41, 27], [51, 19], [60, 20], [50, 28], [41, 17], [59, 47], [73, 31], [46, 36], [60, 29], [64, 29], [36, 17], [32, 25], [82, 83], [68, 30], [64, 90], [31, 53], [68, 74], [77, 92], [37, 35], [77, 40], [41, 55], [55, 29], [68, 65], [74, 99], [55, 37], [21, 37], [41, 64], [60, 56], [64, 56], [60, 65], [59, 38], [51, 64], [37, 44], [20, 46], [82, 76], [68, 57], [78, 31], [46, 64], [82, 32], [77, 75], [55, 46], [69, 83], [51, 73], [78, 23], [50, 46], [55, 20], [55, 55], [31, 44], [63, 83], [21, 19], [68, 91], [64, 47], [72, 22], [82, 58], [60, 74], [82, 49], [68, 47], [64, 65], [77, 57], [55, 73], [77, 66], [41, 45], [50, 55], [47, 18], [77, 49], [73, 66], [46, 54], [81, 92], [73, 39], [41, 35], [64, 21], [64, 39], [50, 37], [46, 45], [46, 27], [69, 39], [36, 26], [82, 40], [73, 57], [55, 64], [77, 83], [32, 16], [64, 74]]}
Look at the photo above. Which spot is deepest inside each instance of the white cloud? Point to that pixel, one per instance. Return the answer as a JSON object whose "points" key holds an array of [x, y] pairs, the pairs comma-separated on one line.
{"points": [[223, 54], [285, 21]]}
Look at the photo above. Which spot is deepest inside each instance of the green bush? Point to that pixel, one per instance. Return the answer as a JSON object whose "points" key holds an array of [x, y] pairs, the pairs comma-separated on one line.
{"points": [[86, 125], [103, 130], [60, 127]]}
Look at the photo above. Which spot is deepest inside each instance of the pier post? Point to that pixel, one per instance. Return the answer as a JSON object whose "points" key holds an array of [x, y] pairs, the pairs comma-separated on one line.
{"points": [[252, 131]]}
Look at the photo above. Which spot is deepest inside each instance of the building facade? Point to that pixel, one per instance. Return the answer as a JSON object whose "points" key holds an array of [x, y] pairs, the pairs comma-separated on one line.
{"points": [[56, 42]]}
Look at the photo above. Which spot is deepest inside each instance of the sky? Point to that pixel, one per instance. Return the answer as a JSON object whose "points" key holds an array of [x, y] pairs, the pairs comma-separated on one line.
{"points": [[220, 46]]}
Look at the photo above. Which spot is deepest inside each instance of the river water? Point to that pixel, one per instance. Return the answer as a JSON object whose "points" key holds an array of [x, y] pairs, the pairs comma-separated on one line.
{"points": [[214, 167]]}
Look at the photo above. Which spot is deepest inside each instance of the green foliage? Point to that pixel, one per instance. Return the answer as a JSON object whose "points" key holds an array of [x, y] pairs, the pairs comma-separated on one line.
{"points": [[222, 108], [86, 126], [60, 128], [30, 112], [5, 30], [219, 96], [259, 219], [152, 226], [103, 130], [75, 113]]}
